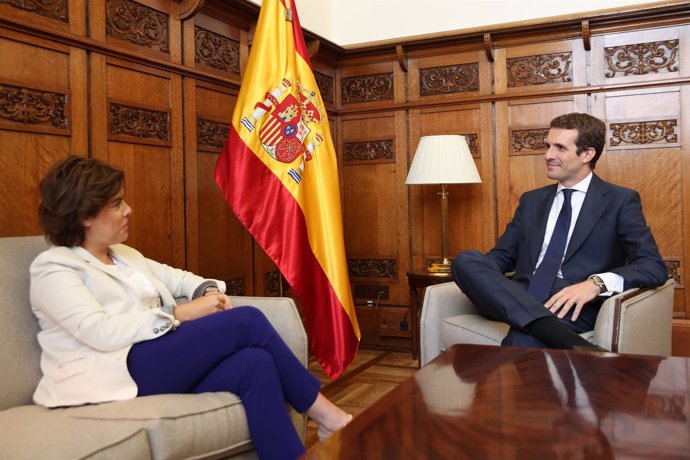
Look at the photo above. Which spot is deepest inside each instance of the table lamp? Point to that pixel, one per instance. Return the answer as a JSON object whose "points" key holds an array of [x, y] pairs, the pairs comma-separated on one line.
{"points": [[443, 160]]}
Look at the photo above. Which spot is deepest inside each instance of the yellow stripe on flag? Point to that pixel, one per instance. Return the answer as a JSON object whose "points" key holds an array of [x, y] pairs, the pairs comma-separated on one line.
{"points": [[290, 198]]}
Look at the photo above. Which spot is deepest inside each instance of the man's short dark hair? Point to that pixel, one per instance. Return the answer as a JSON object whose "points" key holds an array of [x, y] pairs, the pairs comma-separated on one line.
{"points": [[72, 190], [591, 132]]}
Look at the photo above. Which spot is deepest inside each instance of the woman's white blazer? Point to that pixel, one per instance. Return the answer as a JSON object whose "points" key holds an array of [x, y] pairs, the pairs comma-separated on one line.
{"points": [[90, 317]]}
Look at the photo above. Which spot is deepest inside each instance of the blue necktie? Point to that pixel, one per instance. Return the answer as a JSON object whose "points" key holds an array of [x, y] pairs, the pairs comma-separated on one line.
{"points": [[543, 279]]}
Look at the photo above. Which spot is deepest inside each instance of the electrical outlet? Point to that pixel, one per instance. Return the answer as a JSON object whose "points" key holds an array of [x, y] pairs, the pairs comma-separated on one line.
{"points": [[393, 322]]}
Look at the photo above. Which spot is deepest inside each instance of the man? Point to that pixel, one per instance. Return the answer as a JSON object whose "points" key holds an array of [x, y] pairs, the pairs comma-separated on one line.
{"points": [[601, 245]]}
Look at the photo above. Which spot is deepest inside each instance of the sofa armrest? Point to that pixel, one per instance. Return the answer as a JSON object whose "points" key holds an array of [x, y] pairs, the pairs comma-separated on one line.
{"points": [[637, 321], [440, 301], [284, 316]]}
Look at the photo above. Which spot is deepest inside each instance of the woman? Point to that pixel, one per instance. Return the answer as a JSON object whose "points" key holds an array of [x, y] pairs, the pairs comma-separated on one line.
{"points": [[110, 329]]}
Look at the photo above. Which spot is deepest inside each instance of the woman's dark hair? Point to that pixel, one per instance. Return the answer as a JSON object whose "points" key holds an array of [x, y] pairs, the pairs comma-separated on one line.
{"points": [[72, 190]]}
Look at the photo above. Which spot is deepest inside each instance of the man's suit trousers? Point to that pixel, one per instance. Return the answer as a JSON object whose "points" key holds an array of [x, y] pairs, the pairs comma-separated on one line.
{"points": [[502, 299]]}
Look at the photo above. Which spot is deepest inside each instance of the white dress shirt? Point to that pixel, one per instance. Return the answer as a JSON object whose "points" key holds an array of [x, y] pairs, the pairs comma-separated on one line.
{"points": [[613, 281]]}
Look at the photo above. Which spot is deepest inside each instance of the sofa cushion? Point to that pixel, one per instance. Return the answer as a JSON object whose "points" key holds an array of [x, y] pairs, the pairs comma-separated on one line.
{"points": [[472, 329], [31, 432], [179, 425]]}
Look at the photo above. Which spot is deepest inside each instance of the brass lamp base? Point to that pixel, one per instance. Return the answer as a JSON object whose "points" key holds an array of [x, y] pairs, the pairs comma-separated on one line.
{"points": [[440, 268]]}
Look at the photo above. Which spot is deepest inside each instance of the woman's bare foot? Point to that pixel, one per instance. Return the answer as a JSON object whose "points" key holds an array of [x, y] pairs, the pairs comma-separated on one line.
{"points": [[324, 432], [329, 417]]}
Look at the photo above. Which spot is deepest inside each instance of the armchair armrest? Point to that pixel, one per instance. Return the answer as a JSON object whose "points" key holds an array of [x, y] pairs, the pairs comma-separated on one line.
{"points": [[440, 301], [283, 315], [637, 321]]}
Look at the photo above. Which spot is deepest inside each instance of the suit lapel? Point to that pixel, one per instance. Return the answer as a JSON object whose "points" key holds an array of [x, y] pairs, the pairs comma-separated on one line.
{"points": [[593, 207], [541, 216]]}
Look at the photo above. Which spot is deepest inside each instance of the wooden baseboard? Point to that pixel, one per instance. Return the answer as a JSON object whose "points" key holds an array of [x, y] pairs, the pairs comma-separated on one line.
{"points": [[680, 337]]}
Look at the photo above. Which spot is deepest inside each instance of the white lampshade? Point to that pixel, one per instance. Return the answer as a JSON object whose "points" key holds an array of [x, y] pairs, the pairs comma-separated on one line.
{"points": [[443, 159]]}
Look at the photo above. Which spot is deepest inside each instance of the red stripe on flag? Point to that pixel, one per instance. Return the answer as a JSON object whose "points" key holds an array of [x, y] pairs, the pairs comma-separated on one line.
{"points": [[279, 226], [300, 46]]}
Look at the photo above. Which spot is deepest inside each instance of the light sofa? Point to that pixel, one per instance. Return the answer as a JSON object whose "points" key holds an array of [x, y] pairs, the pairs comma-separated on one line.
{"points": [[204, 426], [635, 321]]}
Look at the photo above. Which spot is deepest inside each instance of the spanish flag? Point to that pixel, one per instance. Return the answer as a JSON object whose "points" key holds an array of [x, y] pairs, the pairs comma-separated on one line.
{"points": [[278, 172]]}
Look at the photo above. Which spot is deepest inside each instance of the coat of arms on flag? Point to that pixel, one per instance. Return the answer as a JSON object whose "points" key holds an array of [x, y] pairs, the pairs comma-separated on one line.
{"points": [[278, 172], [286, 121]]}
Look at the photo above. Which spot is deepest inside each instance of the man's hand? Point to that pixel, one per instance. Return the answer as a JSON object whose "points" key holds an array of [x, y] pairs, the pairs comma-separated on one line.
{"points": [[576, 295]]}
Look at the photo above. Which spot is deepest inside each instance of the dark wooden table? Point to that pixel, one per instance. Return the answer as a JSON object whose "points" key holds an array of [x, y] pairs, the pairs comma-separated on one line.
{"points": [[417, 282], [480, 402]]}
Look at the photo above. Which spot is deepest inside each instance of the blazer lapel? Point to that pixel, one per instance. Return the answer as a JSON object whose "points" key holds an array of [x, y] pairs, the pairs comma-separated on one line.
{"points": [[94, 262], [592, 208], [541, 214]]}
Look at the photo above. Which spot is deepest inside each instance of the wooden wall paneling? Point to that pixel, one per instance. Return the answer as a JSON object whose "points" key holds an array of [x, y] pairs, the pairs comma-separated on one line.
{"points": [[552, 65], [440, 78], [370, 87], [267, 278], [325, 77], [56, 15], [149, 148], [448, 77], [191, 153], [374, 197], [77, 17], [149, 28], [523, 147], [214, 46], [415, 194], [639, 56], [37, 86], [643, 162], [468, 219], [682, 298], [218, 245], [222, 250]]}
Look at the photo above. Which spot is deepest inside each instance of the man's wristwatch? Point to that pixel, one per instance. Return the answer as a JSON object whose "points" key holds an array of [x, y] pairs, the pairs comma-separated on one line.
{"points": [[599, 282]]}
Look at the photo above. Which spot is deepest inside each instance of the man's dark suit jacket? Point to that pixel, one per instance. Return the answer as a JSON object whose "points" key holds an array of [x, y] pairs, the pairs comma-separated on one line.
{"points": [[611, 235]]}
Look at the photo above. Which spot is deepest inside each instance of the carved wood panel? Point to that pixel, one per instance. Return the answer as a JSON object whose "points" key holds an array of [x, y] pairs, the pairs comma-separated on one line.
{"points": [[642, 58], [458, 78], [675, 270], [235, 286], [326, 86], [53, 9], [528, 141], [373, 268], [473, 144], [216, 51], [211, 135], [138, 24], [367, 88], [648, 133], [138, 123], [33, 107], [540, 69], [369, 152]]}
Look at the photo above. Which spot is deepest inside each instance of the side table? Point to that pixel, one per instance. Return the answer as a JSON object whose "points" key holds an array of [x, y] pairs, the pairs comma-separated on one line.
{"points": [[417, 282]]}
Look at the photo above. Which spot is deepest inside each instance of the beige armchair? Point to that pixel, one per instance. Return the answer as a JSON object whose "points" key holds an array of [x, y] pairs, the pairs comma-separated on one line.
{"points": [[635, 321]]}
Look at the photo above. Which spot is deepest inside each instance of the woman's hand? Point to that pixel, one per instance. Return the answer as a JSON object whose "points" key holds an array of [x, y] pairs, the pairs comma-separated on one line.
{"points": [[209, 303]]}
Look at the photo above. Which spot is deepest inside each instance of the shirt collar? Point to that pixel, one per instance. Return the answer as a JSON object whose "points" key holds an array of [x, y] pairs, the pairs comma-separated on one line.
{"points": [[581, 186]]}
